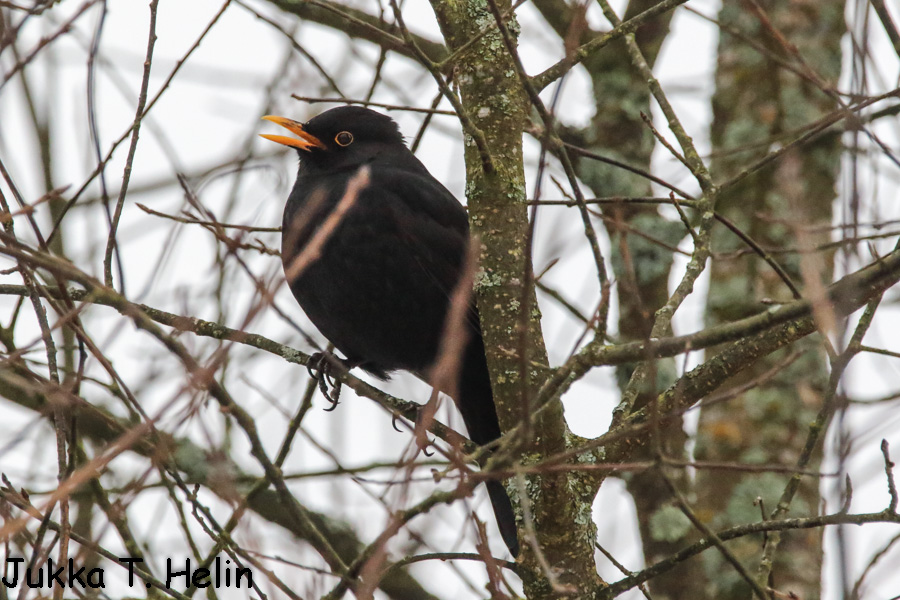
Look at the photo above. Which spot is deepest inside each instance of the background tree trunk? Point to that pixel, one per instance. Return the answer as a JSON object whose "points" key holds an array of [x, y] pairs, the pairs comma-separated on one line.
{"points": [[756, 103]]}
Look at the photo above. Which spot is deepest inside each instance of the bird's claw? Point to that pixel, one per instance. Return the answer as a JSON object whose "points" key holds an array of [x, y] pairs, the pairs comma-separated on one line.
{"points": [[422, 440], [421, 431], [319, 368]]}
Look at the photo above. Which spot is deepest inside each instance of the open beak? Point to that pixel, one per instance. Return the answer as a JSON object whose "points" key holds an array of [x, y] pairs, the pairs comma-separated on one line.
{"points": [[306, 140]]}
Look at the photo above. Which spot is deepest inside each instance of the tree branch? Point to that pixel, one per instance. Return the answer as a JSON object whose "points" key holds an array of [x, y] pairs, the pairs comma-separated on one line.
{"points": [[184, 456], [361, 25]]}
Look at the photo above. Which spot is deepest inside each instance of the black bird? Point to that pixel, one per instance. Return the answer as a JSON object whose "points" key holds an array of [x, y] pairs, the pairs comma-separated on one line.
{"points": [[380, 287]]}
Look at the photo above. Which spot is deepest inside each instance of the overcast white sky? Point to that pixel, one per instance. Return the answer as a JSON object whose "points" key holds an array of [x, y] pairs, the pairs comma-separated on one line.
{"points": [[212, 109]]}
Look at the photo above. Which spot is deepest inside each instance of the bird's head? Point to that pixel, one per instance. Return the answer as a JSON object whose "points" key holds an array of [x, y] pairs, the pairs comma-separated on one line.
{"points": [[346, 135]]}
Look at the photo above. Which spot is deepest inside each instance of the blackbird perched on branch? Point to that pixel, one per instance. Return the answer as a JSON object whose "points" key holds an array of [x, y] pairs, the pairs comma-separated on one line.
{"points": [[380, 284]]}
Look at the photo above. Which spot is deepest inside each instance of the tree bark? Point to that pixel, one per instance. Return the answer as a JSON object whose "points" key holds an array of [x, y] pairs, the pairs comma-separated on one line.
{"points": [[756, 102], [493, 96]]}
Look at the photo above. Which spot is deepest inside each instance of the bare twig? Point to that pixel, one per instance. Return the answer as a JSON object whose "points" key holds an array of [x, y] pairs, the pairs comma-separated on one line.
{"points": [[135, 131]]}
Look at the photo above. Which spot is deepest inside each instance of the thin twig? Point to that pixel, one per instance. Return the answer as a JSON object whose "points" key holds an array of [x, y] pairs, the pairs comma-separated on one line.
{"points": [[135, 132], [430, 111]]}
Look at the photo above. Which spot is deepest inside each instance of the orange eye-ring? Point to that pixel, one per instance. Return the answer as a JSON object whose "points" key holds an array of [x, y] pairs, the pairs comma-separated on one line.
{"points": [[344, 138]]}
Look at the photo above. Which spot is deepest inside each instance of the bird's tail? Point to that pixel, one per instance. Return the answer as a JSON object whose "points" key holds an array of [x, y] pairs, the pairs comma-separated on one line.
{"points": [[503, 512], [476, 405]]}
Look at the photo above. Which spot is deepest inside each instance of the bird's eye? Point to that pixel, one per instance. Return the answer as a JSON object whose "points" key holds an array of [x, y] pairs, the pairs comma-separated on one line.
{"points": [[344, 138]]}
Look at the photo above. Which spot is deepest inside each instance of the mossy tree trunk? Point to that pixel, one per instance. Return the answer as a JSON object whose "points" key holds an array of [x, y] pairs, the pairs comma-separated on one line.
{"points": [[756, 102], [492, 93]]}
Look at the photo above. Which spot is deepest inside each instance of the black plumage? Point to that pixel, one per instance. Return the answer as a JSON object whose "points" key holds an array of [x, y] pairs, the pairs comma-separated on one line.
{"points": [[380, 288]]}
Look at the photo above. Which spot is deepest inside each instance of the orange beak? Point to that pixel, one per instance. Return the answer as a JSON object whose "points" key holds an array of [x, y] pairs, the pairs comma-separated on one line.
{"points": [[306, 140]]}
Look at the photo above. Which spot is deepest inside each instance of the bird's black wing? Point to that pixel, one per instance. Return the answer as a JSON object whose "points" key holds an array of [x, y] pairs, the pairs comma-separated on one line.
{"points": [[430, 221]]}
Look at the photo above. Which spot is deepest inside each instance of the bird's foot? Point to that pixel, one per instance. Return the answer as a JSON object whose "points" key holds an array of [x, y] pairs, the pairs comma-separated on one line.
{"points": [[424, 418], [419, 432], [320, 367]]}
